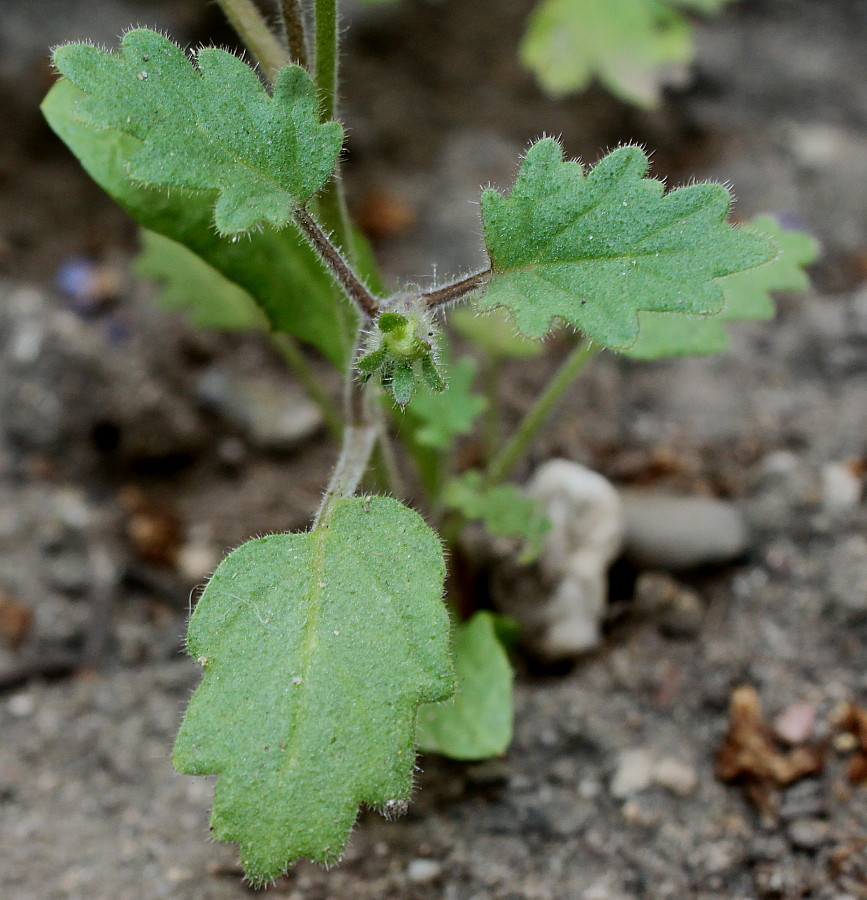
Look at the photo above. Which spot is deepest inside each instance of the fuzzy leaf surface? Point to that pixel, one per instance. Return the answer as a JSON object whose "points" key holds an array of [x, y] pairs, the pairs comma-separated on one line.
{"points": [[188, 284], [477, 722], [632, 46], [277, 268], [592, 250], [748, 296], [504, 509], [317, 650], [439, 417], [209, 125]]}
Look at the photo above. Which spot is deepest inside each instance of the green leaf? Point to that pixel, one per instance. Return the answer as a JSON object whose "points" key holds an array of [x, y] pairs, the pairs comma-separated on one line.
{"points": [[208, 125], [440, 417], [477, 722], [504, 509], [190, 285], [317, 650], [277, 268], [594, 250], [747, 296], [628, 44], [493, 333]]}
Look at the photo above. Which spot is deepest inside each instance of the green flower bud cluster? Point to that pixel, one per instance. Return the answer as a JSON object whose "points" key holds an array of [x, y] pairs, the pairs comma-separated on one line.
{"points": [[402, 349]]}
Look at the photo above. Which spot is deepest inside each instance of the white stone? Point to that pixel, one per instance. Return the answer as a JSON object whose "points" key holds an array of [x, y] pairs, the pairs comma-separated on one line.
{"points": [[841, 488], [423, 871], [585, 536], [634, 773], [677, 776]]}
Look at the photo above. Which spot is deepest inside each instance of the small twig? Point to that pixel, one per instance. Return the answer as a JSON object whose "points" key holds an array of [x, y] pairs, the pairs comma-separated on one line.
{"points": [[293, 30], [454, 291], [342, 271], [252, 28]]}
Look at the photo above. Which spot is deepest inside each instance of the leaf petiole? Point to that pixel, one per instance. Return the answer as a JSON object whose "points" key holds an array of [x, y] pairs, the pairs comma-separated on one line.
{"points": [[504, 461]]}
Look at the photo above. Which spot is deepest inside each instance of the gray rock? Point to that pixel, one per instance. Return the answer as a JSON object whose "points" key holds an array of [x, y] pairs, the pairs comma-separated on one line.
{"points": [[674, 532], [273, 414], [847, 574]]}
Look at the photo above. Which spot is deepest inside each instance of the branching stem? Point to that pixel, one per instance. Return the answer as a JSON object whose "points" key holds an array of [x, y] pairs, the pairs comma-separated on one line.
{"points": [[504, 461], [340, 268], [251, 26], [455, 290], [293, 29]]}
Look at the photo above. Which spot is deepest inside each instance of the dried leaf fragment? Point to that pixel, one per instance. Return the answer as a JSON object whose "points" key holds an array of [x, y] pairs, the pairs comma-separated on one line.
{"points": [[751, 754]]}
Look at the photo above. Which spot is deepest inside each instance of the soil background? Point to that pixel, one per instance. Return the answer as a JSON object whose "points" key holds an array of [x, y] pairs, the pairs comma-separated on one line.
{"points": [[123, 480]]}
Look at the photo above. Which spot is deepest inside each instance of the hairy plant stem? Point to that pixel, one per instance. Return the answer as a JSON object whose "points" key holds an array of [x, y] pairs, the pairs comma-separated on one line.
{"points": [[340, 268], [504, 461], [297, 362], [325, 71], [293, 31], [455, 290], [252, 28], [359, 439]]}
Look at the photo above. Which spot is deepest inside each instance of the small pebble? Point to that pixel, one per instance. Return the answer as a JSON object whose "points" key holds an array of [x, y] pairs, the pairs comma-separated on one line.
{"points": [[841, 488], [678, 777], [423, 871], [808, 834], [634, 773], [794, 725]]}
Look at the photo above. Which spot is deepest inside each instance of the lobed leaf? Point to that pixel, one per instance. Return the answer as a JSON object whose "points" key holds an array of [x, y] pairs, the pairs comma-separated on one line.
{"points": [[504, 509], [747, 296], [188, 284], [477, 722], [208, 125], [632, 46], [593, 250], [279, 270], [317, 649]]}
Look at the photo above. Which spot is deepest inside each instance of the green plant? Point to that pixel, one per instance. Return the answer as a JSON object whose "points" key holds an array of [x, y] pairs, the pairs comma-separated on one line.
{"points": [[328, 655]]}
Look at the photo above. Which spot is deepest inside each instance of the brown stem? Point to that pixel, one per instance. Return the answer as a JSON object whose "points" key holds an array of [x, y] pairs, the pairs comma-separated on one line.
{"points": [[293, 28], [454, 291], [342, 271]]}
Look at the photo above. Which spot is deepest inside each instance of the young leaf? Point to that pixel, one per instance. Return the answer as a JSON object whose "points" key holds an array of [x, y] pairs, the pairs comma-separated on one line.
{"points": [[630, 45], [279, 270], [208, 126], [493, 333], [190, 285], [477, 722], [504, 509], [594, 250], [317, 650], [623, 42], [747, 296], [441, 416]]}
